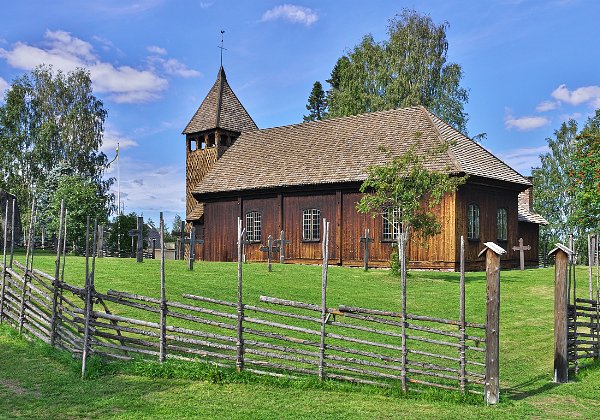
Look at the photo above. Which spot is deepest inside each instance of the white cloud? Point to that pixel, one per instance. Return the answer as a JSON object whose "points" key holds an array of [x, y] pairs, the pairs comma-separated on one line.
{"points": [[585, 94], [523, 159], [524, 123], [291, 13], [205, 4], [111, 138], [174, 67], [65, 52], [547, 106], [155, 49], [3, 88]]}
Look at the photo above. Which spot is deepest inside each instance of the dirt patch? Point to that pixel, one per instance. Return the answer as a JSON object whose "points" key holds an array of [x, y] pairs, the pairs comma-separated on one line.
{"points": [[13, 386]]}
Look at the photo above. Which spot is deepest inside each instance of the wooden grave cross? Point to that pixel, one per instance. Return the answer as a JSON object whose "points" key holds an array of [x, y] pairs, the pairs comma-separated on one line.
{"points": [[181, 250], [281, 242], [270, 249], [522, 248], [140, 240], [192, 241], [366, 240]]}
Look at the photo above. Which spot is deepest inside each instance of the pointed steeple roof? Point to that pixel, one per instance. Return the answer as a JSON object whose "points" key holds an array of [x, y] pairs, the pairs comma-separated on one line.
{"points": [[220, 109]]}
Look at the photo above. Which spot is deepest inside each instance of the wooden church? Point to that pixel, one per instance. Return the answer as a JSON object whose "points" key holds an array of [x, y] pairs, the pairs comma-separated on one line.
{"points": [[291, 177]]}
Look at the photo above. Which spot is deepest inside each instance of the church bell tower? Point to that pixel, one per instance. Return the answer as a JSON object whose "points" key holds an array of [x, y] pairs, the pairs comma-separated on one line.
{"points": [[215, 126]]}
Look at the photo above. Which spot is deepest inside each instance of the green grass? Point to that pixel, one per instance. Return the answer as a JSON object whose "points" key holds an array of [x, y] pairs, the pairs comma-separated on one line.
{"points": [[36, 381]]}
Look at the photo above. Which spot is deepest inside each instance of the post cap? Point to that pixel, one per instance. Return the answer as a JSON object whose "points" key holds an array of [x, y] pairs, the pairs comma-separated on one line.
{"points": [[493, 247], [562, 248]]}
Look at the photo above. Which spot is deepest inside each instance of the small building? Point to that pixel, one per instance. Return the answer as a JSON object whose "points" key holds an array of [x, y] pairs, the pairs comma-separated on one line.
{"points": [[291, 177]]}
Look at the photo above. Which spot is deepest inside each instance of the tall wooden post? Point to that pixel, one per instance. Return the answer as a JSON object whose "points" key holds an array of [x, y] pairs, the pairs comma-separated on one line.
{"points": [[591, 247], [561, 300], [402, 235], [88, 301], [56, 282], [26, 276], [12, 232], [140, 240], [2, 293], [324, 268], [492, 331], [181, 241], [239, 363], [463, 335], [163, 298]]}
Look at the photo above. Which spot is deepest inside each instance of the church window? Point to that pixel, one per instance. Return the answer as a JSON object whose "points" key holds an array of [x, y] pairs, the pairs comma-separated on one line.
{"points": [[211, 140], [253, 226], [391, 224], [311, 222], [473, 222], [502, 224]]}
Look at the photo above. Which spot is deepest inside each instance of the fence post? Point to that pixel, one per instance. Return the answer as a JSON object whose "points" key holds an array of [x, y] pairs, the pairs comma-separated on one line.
{"points": [[88, 300], [239, 363], [561, 300], [324, 268], [25, 274], [463, 361], [12, 232], [4, 264], [492, 328], [56, 281], [403, 234], [163, 299]]}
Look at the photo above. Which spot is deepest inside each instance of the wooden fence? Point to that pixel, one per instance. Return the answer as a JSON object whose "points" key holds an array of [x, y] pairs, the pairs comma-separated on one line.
{"points": [[274, 337], [576, 319]]}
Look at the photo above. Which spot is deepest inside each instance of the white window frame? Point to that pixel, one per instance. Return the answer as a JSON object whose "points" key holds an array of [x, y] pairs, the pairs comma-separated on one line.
{"points": [[253, 226], [392, 226], [311, 225]]}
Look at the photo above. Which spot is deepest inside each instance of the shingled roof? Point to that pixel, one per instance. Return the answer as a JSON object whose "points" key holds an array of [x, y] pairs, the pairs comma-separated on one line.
{"points": [[340, 150], [220, 109]]}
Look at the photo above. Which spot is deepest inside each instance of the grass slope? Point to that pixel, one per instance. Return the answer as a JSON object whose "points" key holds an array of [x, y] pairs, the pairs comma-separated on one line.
{"points": [[38, 381]]}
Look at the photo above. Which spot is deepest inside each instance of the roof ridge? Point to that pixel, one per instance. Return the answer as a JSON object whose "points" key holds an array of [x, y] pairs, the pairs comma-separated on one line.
{"points": [[450, 152], [220, 79], [335, 119]]}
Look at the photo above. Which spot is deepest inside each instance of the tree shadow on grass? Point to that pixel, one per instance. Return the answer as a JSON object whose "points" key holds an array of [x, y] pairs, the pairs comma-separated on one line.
{"points": [[530, 388]]}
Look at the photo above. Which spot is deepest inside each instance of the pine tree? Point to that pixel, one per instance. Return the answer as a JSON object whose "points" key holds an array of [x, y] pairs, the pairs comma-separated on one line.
{"points": [[317, 105]]}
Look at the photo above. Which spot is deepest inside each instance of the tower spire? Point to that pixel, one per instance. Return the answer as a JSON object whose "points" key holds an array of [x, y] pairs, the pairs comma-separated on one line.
{"points": [[221, 47]]}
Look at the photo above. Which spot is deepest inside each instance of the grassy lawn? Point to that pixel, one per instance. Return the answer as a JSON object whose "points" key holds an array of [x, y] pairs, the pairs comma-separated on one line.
{"points": [[38, 381]]}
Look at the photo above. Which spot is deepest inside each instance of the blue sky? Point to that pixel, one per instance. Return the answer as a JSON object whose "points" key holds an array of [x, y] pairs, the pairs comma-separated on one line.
{"points": [[529, 65]]}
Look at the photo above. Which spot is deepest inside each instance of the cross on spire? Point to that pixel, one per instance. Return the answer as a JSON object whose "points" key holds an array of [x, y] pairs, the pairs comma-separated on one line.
{"points": [[221, 47]]}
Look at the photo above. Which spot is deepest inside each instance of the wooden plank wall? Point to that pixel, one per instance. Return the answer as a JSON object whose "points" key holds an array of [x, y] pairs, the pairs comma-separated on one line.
{"points": [[220, 230], [489, 201], [439, 252], [436, 252], [269, 208], [293, 206]]}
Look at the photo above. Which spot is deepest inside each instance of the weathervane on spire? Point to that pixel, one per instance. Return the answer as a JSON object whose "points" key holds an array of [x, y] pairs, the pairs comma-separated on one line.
{"points": [[221, 47]]}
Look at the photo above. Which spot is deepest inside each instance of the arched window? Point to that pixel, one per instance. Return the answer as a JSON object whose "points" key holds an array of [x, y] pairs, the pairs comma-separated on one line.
{"points": [[473, 222], [311, 225], [502, 224], [253, 226], [391, 224]]}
